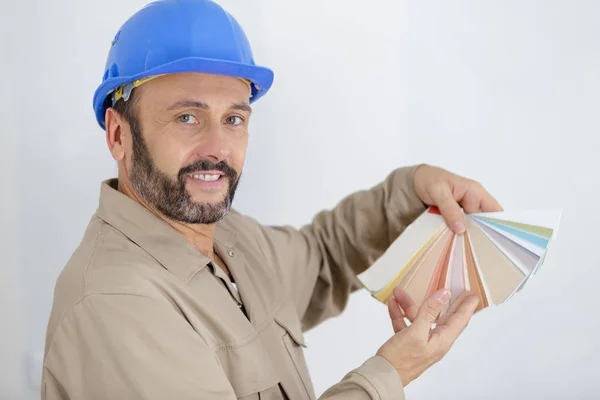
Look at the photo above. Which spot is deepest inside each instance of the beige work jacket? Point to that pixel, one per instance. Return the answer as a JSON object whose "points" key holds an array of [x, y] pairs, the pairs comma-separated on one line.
{"points": [[139, 313]]}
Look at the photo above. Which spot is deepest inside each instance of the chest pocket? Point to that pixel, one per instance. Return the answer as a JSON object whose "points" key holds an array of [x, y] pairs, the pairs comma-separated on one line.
{"points": [[270, 365], [296, 379], [248, 368]]}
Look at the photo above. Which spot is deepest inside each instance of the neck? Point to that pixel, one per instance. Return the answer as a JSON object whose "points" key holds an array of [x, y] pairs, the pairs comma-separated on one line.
{"points": [[199, 235]]}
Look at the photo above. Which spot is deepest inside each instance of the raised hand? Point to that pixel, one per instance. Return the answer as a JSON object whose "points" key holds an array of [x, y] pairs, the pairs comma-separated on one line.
{"points": [[415, 348], [452, 194]]}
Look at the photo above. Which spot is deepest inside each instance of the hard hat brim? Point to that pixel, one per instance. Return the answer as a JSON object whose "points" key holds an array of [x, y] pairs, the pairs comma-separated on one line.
{"points": [[261, 78]]}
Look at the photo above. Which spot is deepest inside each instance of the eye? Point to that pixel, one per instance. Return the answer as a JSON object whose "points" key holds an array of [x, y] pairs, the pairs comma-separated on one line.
{"points": [[234, 120], [187, 119]]}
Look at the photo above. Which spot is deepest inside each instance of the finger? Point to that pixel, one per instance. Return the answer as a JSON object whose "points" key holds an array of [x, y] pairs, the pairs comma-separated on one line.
{"points": [[453, 307], [478, 199], [471, 201], [490, 204], [454, 325], [396, 315], [449, 208], [429, 312], [407, 304]]}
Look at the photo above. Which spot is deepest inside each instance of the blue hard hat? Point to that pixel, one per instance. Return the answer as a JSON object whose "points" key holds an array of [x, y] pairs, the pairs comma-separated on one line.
{"points": [[170, 36]]}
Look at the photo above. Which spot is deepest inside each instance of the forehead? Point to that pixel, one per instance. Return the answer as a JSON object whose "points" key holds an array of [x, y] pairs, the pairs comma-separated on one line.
{"points": [[208, 88]]}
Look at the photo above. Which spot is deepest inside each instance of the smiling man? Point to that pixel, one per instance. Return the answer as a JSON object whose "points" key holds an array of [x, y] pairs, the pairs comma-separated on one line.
{"points": [[172, 294], [194, 177]]}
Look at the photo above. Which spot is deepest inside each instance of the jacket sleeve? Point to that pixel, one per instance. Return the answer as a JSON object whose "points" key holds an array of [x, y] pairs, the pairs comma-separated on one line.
{"points": [[318, 263], [376, 379], [128, 346]]}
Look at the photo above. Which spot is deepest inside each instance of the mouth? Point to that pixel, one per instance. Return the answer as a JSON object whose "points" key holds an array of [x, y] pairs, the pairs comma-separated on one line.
{"points": [[207, 177], [209, 181]]}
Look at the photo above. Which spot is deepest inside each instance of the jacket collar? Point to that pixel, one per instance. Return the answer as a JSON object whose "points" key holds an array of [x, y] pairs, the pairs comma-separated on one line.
{"points": [[154, 235]]}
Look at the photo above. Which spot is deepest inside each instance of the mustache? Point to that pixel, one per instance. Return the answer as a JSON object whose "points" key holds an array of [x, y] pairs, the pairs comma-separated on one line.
{"points": [[205, 165]]}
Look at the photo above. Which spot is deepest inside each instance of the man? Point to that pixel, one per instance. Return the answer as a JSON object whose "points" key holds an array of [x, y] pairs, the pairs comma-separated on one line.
{"points": [[171, 293]]}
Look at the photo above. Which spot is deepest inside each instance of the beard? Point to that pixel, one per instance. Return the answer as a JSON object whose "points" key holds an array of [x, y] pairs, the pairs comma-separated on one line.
{"points": [[169, 195]]}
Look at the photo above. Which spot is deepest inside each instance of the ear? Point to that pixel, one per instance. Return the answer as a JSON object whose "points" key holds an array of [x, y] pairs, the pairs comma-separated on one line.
{"points": [[116, 133]]}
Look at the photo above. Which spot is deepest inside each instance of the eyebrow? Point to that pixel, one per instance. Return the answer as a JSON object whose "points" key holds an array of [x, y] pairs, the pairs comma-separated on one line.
{"points": [[188, 104], [241, 106]]}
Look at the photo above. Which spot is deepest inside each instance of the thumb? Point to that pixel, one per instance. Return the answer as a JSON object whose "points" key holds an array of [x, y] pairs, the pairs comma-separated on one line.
{"points": [[450, 209], [429, 312]]}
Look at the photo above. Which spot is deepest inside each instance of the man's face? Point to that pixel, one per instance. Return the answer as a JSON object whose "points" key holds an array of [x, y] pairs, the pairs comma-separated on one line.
{"points": [[189, 144]]}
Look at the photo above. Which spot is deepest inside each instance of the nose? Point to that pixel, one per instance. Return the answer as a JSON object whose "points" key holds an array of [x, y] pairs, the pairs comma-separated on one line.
{"points": [[214, 145]]}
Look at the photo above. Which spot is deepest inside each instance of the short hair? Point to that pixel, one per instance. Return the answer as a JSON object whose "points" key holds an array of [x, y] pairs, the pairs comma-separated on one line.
{"points": [[127, 109]]}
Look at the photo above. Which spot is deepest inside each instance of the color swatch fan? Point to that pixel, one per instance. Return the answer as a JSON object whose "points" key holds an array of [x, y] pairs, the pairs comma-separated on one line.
{"points": [[494, 258]]}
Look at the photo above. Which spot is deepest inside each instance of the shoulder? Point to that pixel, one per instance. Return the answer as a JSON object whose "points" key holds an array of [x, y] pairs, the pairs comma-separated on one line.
{"points": [[104, 262]]}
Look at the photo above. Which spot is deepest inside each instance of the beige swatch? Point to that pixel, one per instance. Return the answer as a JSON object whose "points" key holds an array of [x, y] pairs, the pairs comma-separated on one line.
{"points": [[499, 274]]}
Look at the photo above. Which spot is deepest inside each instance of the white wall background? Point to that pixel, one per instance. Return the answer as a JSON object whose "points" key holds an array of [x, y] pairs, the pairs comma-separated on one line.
{"points": [[505, 92]]}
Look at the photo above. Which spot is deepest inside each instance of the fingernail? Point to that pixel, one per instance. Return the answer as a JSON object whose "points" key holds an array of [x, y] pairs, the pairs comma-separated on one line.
{"points": [[458, 227], [444, 296]]}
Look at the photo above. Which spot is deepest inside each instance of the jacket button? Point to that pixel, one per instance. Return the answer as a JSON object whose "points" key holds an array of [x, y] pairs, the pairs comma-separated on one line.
{"points": [[230, 252]]}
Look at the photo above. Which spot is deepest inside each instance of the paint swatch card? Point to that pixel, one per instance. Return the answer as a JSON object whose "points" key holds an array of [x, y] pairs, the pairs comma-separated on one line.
{"points": [[494, 258]]}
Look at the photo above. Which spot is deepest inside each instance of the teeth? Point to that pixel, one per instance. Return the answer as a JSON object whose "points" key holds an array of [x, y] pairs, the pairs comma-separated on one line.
{"points": [[206, 177]]}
